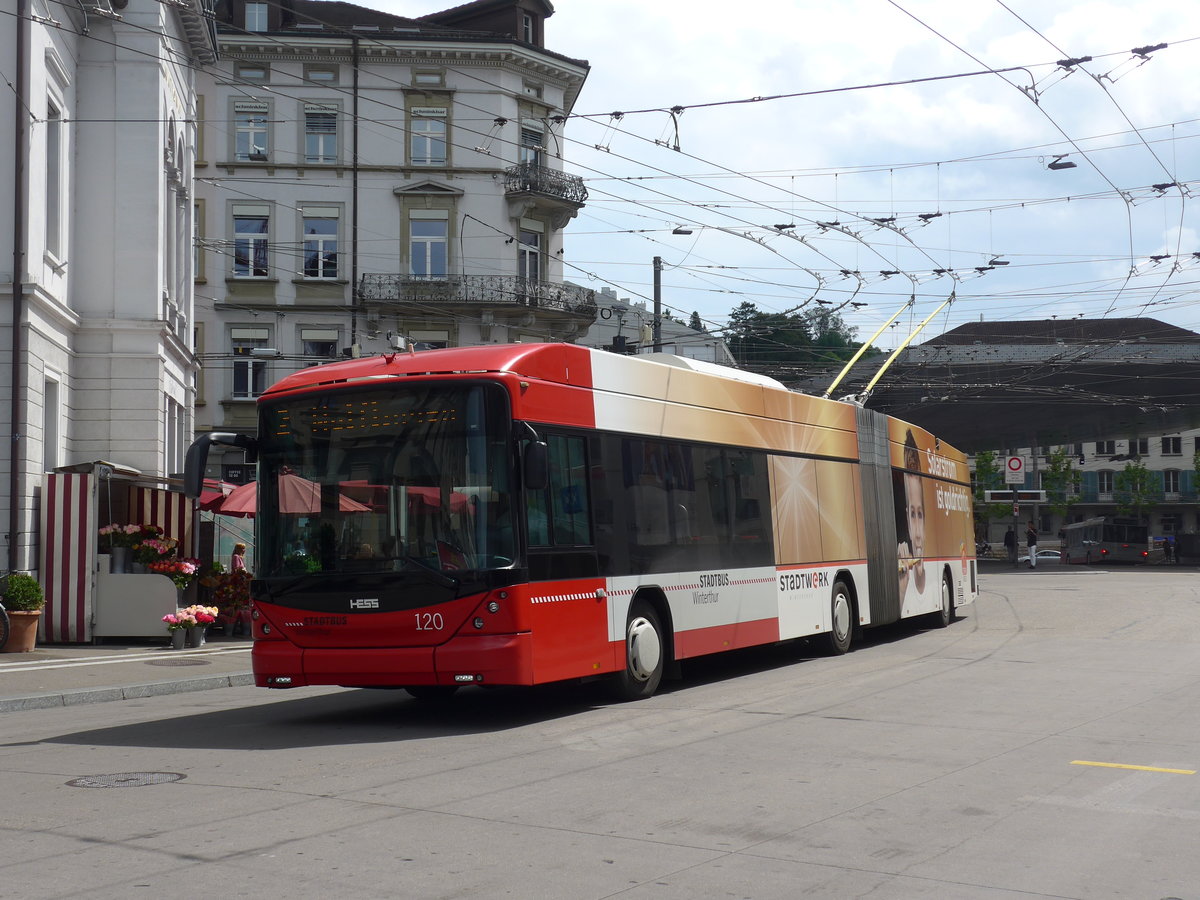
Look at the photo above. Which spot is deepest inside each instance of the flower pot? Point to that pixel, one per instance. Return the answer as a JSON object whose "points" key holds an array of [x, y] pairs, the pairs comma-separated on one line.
{"points": [[121, 557], [196, 636], [23, 626], [178, 638]]}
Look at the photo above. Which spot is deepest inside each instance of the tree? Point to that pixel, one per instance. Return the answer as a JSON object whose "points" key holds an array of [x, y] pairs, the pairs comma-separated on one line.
{"points": [[1136, 490], [694, 322], [988, 477], [763, 340], [1061, 481], [828, 329]]}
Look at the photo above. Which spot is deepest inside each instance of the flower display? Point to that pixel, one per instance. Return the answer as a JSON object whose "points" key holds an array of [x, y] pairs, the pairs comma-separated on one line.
{"points": [[152, 546], [201, 615], [191, 617], [115, 535], [231, 592], [180, 571]]}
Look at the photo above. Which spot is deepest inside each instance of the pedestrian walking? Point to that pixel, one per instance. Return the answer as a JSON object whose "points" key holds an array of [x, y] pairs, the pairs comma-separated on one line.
{"points": [[1010, 544], [1031, 538]]}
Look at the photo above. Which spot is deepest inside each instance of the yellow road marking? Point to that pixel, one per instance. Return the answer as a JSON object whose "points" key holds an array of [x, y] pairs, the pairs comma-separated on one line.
{"points": [[1084, 762]]}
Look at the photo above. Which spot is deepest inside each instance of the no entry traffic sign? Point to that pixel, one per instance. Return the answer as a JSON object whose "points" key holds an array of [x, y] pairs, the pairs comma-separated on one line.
{"points": [[1014, 470]]}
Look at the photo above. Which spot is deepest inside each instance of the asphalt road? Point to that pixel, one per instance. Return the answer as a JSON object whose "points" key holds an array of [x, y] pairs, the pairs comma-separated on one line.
{"points": [[1045, 745]]}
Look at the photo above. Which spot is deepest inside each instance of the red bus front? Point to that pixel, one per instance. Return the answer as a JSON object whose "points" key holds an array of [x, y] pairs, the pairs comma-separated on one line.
{"points": [[390, 522]]}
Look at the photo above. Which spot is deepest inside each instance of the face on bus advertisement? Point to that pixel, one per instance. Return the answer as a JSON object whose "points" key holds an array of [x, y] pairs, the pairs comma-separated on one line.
{"points": [[933, 515]]}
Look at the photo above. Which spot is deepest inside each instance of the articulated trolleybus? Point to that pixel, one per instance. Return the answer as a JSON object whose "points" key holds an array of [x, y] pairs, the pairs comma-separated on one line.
{"points": [[522, 514]]}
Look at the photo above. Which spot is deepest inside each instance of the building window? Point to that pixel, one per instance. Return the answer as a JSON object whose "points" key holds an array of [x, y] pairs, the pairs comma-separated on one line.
{"points": [[1172, 446], [319, 342], [527, 32], [429, 77], [198, 241], [532, 142], [1106, 448], [251, 241], [1171, 481], [320, 242], [51, 416], [529, 255], [1104, 481], [249, 374], [320, 74], [320, 134], [429, 340], [251, 131], [1139, 446], [200, 131], [256, 16], [198, 347], [427, 136], [1170, 524], [54, 180], [428, 245], [259, 72]]}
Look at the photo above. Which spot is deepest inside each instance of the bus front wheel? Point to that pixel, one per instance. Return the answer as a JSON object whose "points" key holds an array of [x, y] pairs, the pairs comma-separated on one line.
{"points": [[643, 654], [841, 619]]}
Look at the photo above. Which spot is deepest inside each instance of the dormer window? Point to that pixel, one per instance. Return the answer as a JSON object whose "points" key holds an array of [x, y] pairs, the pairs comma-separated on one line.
{"points": [[256, 16], [527, 28]]}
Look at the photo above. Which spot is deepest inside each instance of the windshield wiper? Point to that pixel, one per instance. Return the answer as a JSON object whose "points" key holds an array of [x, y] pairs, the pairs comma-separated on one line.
{"points": [[438, 575]]}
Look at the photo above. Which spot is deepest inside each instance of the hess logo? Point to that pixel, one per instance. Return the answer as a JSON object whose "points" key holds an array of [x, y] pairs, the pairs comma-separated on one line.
{"points": [[365, 603]]}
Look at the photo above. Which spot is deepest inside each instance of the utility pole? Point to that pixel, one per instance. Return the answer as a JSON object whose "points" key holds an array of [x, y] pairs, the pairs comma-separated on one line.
{"points": [[657, 302]]}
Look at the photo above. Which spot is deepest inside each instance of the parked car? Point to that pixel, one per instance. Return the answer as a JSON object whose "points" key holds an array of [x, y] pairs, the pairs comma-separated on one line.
{"points": [[1041, 554]]}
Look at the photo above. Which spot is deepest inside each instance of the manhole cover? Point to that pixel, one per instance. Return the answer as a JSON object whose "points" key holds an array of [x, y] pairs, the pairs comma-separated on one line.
{"points": [[178, 662], [125, 779]]}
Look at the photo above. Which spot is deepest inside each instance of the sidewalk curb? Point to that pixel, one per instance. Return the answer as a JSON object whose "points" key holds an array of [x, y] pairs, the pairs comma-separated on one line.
{"points": [[52, 699]]}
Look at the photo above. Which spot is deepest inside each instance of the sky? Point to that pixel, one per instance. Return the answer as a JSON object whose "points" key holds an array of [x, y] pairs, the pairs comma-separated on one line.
{"points": [[903, 170]]}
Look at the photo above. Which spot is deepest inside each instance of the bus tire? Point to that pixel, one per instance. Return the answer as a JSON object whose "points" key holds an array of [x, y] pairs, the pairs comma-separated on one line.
{"points": [[841, 619], [432, 693], [644, 654], [945, 614]]}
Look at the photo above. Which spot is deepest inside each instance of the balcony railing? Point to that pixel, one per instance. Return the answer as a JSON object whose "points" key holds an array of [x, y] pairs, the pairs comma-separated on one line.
{"points": [[479, 290], [534, 179]]}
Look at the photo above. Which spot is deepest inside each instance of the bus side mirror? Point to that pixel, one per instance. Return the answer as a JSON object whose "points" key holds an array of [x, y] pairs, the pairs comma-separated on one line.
{"points": [[537, 466], [196, 459]]}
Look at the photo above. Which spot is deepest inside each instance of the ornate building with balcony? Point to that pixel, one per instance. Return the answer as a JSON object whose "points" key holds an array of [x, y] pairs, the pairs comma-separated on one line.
{"points": [[362, 175]]}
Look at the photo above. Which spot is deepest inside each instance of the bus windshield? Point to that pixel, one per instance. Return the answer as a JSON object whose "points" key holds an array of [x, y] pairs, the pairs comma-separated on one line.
{"points": [[385, 478]]}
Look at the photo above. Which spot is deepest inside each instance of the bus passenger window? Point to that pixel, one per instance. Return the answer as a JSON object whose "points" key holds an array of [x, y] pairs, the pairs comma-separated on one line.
{"points": [[560, 515]]}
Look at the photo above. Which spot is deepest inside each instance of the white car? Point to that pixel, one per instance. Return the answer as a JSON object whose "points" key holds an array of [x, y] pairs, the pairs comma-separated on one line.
{"points": [[1041, 554]]}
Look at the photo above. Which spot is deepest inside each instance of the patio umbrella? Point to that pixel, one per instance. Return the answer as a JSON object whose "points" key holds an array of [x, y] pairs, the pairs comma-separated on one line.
{"points": [[297, 497]]}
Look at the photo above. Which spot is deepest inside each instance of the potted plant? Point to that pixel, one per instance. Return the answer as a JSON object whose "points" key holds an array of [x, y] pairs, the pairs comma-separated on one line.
{"points": [[23, 599]]}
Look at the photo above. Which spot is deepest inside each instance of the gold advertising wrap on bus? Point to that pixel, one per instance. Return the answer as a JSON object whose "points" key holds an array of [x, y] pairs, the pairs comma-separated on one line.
{"points": [[934, 511]]}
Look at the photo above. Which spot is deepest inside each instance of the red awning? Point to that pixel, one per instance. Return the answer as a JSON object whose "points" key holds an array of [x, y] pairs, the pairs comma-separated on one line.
{"points": [[213, 492]]}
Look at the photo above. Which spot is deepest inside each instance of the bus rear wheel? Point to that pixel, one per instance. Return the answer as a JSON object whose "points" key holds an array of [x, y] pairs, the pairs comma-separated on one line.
{"points": [[644, 660], [945, 613], [841, 619]]}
